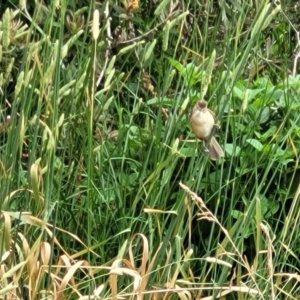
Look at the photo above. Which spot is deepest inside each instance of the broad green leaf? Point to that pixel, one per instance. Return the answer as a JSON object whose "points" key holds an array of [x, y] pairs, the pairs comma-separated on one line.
{"points": [[255, 143], [263, 115], [231, 150]]}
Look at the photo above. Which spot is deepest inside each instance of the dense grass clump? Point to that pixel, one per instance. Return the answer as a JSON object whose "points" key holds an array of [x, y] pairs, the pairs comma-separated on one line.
{"points": [[105, 192]]}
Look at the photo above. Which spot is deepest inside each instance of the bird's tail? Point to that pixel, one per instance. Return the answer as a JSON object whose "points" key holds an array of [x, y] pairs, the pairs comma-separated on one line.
{"points": [[214, 149]]}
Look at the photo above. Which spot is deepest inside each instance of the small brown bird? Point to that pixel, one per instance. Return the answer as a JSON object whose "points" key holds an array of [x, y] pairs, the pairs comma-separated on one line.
{"points": [[203, 124]]}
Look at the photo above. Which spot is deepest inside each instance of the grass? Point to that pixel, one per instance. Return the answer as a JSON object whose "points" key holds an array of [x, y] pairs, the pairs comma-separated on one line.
{"points": [[106, 193]]}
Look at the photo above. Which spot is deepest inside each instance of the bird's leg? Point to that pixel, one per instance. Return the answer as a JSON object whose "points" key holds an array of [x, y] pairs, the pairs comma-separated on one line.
{"points": [[205, 149], [215, 128], [206, 142]]}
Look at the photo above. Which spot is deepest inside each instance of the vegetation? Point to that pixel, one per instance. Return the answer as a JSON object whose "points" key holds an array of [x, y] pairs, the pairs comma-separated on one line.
{"points": [[106, 193]]}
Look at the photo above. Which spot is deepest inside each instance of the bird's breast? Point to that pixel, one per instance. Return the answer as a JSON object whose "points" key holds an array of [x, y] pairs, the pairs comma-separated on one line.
{"points": [[202, 124]]}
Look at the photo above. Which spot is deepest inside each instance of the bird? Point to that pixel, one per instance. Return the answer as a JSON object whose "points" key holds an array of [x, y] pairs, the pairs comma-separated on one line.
{"points": [[202, 121]]}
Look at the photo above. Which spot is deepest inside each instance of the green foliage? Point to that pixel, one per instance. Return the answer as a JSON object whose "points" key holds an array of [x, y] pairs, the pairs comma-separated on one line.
{"points": [[98, 163]]}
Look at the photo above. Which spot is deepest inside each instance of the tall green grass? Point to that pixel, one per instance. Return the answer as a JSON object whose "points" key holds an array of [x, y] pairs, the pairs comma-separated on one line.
{"points": [[106, 193]]}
